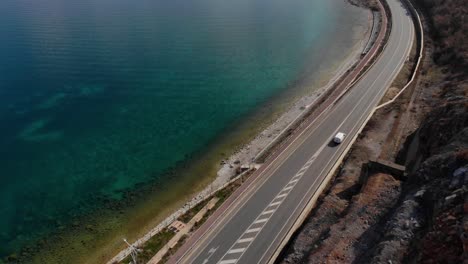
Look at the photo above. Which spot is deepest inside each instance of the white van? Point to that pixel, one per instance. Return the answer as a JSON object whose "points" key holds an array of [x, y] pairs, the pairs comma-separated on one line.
{"points": [[339, 137]]}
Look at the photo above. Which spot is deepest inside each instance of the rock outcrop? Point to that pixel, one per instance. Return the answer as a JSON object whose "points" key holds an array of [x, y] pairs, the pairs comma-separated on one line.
{"points": [[422, 218]]}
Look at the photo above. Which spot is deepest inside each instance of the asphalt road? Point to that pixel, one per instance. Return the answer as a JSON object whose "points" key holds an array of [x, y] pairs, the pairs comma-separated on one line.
{"points": [[254, 226]]}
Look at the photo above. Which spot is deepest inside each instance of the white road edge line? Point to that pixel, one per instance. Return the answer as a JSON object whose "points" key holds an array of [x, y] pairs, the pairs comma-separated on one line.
{"points": [[356, 125], [287, 157]]}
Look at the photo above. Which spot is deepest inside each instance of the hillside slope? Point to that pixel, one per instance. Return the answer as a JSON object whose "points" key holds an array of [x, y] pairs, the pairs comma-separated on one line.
{"points": [[372, 216]]}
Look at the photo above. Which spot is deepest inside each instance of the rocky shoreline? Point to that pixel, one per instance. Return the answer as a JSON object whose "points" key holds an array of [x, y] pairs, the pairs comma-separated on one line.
{"points": [[245, 156], [373, 215]]}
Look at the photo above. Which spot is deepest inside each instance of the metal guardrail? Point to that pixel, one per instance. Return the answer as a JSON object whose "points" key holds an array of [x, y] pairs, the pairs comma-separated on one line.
{"points": [[420, 30], [259, 158], [212, 190], [374, 32], [310, 205], [124, 253]]}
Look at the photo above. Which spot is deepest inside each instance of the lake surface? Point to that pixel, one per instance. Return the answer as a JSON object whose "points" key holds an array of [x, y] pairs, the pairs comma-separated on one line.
{"points": [[100, 96]]}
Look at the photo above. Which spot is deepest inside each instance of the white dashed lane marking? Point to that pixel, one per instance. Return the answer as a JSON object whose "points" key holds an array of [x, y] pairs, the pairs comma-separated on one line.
{"points": [[281, 195], [263, 218], [237, 250], [268, 212], [253, 230], [244, 240], [275, 203], [261, 221], [293, 181], [298, 175], [228, 261]]}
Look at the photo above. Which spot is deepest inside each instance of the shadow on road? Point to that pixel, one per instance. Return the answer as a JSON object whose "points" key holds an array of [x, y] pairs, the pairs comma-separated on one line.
{"points": [[332, 144]]}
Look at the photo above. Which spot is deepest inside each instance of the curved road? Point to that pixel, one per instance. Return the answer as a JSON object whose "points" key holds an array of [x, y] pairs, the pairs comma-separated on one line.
{"points": [[257, 223]]}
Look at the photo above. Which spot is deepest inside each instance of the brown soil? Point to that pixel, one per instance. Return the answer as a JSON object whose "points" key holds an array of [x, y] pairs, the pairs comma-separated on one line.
{"points": [[353, 233], [376, 218], [351, 201]]}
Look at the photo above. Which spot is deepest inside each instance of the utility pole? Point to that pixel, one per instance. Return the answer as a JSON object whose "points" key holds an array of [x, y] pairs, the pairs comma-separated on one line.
{"points": [[133, 252]]}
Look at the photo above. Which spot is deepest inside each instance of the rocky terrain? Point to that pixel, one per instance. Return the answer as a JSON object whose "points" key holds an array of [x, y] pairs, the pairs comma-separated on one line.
{"points": [[371, 4], [370, 215]]}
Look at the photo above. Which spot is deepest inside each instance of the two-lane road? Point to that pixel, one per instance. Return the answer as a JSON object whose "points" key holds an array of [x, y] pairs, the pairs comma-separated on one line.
{"points": [[255, 225]]}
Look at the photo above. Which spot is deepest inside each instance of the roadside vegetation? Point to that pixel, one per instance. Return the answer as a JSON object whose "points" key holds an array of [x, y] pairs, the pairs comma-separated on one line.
{"points": [[160, 240], [369, 215]]}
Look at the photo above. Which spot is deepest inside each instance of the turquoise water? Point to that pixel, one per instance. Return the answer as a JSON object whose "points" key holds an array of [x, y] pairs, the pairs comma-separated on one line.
{"points": [[98, 96]]}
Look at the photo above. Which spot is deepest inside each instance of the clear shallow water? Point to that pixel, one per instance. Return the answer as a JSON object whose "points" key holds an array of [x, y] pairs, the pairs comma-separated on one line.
{"points": [[97, 96]]}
